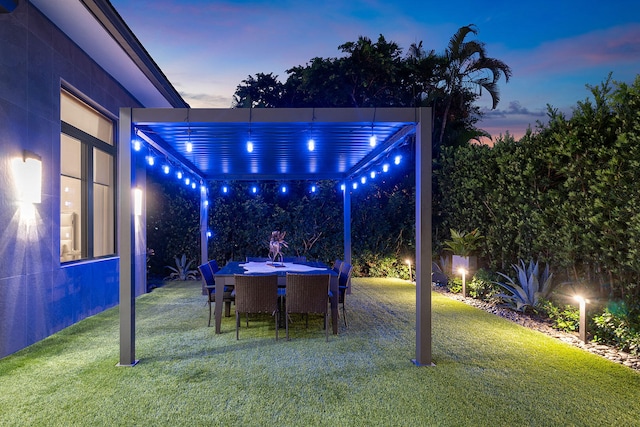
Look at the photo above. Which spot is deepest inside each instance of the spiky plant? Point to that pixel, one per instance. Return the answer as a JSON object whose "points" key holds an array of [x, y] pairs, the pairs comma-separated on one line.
{"points": [[182, 270], [531, 285]]}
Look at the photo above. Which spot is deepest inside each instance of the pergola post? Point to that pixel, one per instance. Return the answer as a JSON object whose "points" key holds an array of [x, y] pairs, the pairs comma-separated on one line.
{"points": [[204, 215], [423, 239], [126, 243], [346, 197]]}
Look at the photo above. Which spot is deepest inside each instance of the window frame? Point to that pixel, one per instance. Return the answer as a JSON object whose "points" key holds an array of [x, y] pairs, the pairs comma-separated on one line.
{"points": [[88, 143]]}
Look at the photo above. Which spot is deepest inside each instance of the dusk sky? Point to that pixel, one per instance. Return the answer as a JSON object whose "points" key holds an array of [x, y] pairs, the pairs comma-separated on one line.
{"points": [[554, 48]]}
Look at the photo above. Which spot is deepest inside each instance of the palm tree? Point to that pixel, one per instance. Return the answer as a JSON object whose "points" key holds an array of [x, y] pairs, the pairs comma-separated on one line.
{"points": [[468, 68]]}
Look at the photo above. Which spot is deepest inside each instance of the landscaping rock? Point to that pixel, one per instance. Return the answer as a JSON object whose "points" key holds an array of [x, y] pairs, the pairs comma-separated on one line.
{"points": [[544, 326]]}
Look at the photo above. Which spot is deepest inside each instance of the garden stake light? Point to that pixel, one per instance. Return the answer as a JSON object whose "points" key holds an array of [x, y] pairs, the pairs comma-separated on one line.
{"points": [[583, 317], [463, 272], [408, 261]]}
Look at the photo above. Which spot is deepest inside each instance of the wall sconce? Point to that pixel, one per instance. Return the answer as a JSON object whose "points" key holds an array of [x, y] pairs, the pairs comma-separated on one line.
{"points": [[28, 177], [137, 201]]}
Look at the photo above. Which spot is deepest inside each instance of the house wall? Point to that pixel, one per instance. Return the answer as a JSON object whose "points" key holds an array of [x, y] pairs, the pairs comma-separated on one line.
{"points": [[38, 295]]}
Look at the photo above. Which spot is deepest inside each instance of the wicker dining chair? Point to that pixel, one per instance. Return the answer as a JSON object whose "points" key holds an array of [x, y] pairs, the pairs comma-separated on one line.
{"points": [[206, 272], [307, 293], [256, 294]]}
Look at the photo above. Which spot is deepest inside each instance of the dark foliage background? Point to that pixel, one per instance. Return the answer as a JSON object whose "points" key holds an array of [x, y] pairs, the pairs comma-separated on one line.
{"points": [[382, 213]]}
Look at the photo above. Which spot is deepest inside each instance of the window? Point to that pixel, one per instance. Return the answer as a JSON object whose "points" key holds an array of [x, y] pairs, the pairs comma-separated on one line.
{"points": [[87, 185]]}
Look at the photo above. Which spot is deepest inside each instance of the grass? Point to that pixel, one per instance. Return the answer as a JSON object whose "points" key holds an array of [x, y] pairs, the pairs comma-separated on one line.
{"points": [[489, 371]]}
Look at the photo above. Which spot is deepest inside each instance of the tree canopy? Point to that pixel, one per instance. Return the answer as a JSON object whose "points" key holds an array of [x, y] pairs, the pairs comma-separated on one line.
{"points": [[378, 74]]}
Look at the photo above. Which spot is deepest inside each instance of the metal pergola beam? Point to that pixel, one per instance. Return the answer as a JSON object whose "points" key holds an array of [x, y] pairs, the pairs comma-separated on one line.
{"points": [[416, 121]]}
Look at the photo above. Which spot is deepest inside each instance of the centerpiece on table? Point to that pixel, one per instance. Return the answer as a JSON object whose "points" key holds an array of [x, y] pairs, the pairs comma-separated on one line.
{"points": [[275, 248]]}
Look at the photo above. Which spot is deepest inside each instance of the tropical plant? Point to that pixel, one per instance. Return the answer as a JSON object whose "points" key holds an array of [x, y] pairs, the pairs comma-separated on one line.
{"points": [[532, 285], [467, 67], [463, 243], [182, 270]]}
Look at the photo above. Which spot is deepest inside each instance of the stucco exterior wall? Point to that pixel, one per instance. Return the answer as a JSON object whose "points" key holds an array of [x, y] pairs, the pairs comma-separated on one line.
{"points": [[38, 296]]}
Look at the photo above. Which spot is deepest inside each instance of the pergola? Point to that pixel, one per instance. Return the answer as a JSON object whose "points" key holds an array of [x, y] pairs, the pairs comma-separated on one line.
{"points": [[273, 144]]}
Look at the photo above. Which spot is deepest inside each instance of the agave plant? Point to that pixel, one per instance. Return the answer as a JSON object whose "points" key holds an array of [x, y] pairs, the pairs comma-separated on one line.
{"points": [[530, 287], [182, 270]]}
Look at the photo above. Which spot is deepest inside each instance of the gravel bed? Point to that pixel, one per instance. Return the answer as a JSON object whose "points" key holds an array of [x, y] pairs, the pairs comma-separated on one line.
{"points": [[544, 326]]}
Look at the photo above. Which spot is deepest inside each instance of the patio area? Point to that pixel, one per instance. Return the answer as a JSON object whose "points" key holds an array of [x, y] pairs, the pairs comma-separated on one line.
{"points": [[489, 371]]}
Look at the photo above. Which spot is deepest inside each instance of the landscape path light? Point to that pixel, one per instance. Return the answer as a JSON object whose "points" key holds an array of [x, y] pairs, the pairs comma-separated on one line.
{"points": [[583, 317], [408, 261], [463, 272]]}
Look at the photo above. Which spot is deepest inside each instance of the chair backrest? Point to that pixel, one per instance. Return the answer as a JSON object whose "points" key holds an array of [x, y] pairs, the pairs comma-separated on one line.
{"points": [[256, 293], [307, 293], [207, 274], [336, 265], [345, 274], [214, 266]]}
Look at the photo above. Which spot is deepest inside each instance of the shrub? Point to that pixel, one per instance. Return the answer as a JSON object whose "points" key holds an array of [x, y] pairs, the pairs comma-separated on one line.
{"points": [[455, 285], [373, 265], [565, 318], [531, 286], [618, 325], [482, 285]]}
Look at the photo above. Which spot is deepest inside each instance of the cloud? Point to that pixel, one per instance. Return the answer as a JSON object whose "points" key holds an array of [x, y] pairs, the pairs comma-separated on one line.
{"points": [[206, 100], [514, 108], [608, 48]]}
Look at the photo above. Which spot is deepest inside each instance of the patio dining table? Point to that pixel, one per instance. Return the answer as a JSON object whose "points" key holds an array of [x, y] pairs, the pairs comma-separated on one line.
{"points": [[226, 277]]}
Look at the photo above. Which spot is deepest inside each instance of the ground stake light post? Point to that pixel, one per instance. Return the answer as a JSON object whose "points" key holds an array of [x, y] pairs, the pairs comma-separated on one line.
{"points": [[408, 261], [583, 318], [463, 272]]}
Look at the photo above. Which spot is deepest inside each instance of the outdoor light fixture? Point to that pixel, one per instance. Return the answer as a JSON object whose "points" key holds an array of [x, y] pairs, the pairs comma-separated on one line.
{"points": [[363, 180], [385, 167], [583, 317], [373, 140], [187, 180], [250, 147], [179, 174], [343, 187], [373, 174], [225, 189], [463, 272], [151, 160], [189, 147], [313, 188], [283, 189], [166, 169], [355, 185], [194, 185], [28, 177], [137, 201], [311, 145], [137, 145], [206, 203], [254, 189], [209, 234], [408, 261], [397, 159]]}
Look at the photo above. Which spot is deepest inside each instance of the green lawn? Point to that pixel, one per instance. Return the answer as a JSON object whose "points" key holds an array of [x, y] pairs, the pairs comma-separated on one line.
{"points": [[488, 370]]}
